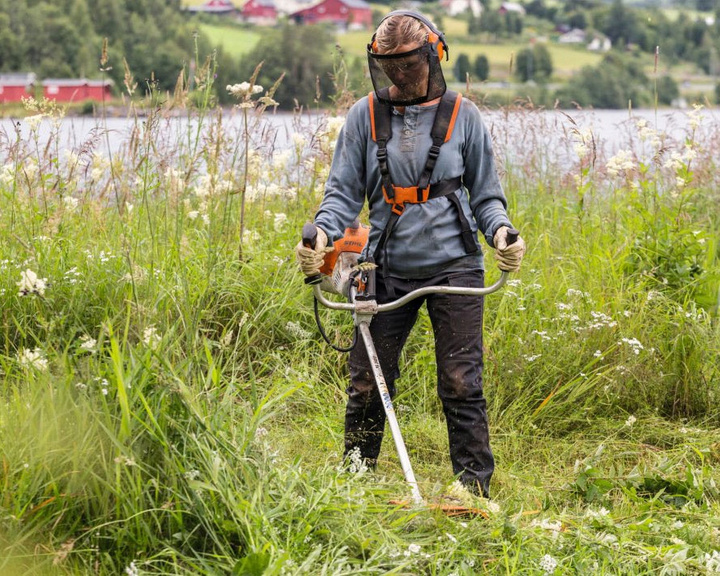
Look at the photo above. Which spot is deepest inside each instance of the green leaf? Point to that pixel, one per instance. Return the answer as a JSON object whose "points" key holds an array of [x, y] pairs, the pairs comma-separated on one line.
{"points": [[254, 564]]}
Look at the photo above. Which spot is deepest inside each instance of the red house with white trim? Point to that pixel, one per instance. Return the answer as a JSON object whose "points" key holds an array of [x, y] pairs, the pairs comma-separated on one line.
{"points": [[349, 14], [261, 12], [15, 87], [76, 90]]}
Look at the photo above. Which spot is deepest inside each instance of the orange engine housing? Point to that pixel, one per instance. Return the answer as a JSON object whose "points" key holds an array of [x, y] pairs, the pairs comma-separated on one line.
{"points": [[354, 241]]}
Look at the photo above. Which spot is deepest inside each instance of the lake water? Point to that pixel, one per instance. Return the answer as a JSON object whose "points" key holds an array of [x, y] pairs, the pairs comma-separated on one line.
{"points": [[549, 129]]}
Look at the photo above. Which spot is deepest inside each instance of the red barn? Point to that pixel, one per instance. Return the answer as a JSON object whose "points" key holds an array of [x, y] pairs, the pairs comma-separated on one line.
{"points": [[76, 90], [261, 12], [351, 14], [14, 87]]}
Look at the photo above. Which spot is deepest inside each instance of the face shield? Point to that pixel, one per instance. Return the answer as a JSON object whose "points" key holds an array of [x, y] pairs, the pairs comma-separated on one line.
{"points": [[407, 78]]}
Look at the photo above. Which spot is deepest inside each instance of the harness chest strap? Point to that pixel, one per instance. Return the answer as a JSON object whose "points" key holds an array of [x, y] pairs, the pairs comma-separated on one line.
{"points": [[441, 132]]}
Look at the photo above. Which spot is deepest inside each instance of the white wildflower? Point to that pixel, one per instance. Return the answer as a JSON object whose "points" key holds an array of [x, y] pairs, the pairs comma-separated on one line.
{"points": [[675, 162], [30, 169], [581, 149], [244, 89], [226, 340], [132, 570], [532, 358], [204, 187], [150, 337], [597, 354], [296, 330], [31, 284], [695, 117], [621, 162], [70, 203], [298, 140], [193, 214], [357, 462], [192, 474], [33, 359], [88, 344], [281, 159], [250, 236], [583, 141], [7, 175], [280, 221], [98, 167], [227, 184], [634, 343], [451, 537], [413, 549], [125, 461], [653, 295], [458, 491], [579, 293], [548, 564], [333, 126], [34, 121], [630, 421]]}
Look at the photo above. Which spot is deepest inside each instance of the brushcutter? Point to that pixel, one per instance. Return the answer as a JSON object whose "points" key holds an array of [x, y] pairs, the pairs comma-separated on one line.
{"points": [[342, 274]]}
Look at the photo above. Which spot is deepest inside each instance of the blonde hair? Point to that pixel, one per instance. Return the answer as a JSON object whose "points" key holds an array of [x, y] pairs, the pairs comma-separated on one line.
{"points": [[398, 30]]}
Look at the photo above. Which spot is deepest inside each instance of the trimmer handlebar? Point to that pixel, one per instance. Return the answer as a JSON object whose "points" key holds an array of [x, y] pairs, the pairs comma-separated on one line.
{"points": [[414, 294], [309, 237]]}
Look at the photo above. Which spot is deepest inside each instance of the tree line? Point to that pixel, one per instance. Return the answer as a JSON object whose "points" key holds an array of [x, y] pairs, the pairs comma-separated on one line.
{"points": [[149, 43]]}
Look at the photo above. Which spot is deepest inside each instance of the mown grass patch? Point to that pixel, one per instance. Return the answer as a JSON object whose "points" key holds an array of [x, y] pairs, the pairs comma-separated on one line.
{"points": [[235, 41]]}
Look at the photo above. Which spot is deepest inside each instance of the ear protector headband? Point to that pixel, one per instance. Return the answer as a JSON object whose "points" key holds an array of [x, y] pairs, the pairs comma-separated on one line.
{"points": [[435, 38]]}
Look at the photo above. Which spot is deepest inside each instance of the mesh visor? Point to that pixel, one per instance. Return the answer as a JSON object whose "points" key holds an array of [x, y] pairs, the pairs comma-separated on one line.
{"points": [[407, 78]]}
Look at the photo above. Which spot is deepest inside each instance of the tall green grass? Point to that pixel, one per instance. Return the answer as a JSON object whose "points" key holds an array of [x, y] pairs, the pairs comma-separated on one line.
{"points": [[169, 409]]}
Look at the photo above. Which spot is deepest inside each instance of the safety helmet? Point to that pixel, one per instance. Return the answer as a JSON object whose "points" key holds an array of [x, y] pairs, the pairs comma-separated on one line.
{"points": [[411, 77]]}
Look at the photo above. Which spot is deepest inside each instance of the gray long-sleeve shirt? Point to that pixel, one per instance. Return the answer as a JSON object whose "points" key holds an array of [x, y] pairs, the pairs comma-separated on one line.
{"points": [[426, 238]]}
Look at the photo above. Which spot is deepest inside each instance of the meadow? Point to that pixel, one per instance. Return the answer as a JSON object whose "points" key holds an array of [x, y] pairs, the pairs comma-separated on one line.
{"points": [[168, 407]]}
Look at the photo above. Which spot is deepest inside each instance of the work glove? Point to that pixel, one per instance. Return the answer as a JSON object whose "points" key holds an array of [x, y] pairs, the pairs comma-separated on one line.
{"points": [[508, 257], [311, 259]]}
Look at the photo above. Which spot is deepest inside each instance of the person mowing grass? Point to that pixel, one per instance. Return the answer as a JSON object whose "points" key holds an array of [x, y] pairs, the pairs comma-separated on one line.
{"points": [[422, 157]]}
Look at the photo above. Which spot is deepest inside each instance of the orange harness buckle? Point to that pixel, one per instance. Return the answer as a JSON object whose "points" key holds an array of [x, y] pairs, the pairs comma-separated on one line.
{"points": [[407, 195]]}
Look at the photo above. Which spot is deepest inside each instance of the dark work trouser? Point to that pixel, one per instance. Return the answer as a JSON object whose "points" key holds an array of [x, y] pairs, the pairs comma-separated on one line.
{"points": [[457, 327]]}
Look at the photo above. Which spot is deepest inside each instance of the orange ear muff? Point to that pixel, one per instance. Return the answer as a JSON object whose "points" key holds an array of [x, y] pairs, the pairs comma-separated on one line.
{"points": [[434, 39]]}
